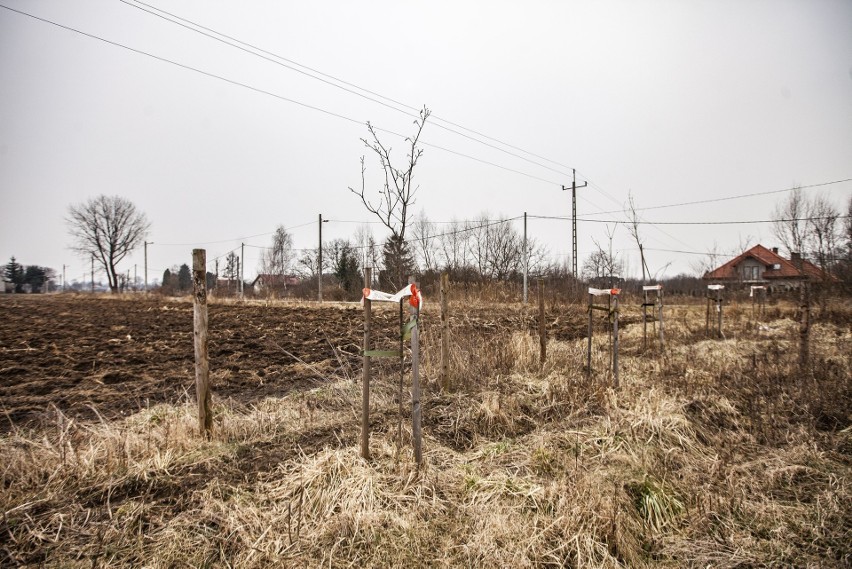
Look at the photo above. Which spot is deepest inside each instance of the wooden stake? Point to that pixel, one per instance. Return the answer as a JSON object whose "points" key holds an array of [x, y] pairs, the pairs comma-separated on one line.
{"points": [[615, 343], [542, 330], [804, 326], [202, 365], [415, 384], [365, 384], [720, 314], [445, 333], [591, 330], [662, 326], [401, 376]]}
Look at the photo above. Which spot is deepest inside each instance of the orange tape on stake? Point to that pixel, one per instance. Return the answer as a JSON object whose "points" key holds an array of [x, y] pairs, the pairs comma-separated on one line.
{"points": [[414, 299]]}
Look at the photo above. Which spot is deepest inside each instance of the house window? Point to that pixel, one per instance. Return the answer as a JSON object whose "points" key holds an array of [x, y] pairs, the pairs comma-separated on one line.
{"points": [[751, 273]]}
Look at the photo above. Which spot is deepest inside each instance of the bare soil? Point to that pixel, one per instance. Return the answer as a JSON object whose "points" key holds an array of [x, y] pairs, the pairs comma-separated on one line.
{"points": [[91, 356]]}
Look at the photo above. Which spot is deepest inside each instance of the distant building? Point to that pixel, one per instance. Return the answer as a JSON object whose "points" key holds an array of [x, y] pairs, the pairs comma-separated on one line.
{"points": [[761, 266], [268, 283]]}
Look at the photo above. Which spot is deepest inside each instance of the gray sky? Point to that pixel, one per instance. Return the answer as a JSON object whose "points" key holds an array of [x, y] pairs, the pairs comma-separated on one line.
{"points": [[671, 101]]}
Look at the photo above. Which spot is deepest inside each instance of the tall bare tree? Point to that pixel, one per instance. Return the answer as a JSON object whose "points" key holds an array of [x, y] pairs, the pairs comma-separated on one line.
{"points": [[396, 195], [824, 231], [278, 259], [790, 223], [107, 228], [425, 240]]}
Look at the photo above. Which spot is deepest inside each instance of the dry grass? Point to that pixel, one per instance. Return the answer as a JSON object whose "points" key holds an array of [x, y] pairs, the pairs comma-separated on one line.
{"points": [[716, 452]]}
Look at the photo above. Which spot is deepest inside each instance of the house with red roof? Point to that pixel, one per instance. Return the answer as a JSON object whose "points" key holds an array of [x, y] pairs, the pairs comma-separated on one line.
{"points": [[761, 266]]}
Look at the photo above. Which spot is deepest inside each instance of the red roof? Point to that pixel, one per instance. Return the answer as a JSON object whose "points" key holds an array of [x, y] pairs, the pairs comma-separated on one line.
{"points": [[769, 259]]}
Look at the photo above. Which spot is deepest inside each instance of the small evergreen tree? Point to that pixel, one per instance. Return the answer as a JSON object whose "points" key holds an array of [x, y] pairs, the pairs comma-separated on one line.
{"points": [[15, 274], [346, 269], [184, 278], [398, 261]]}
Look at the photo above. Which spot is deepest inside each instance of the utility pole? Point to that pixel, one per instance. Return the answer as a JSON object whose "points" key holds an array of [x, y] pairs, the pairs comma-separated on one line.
{"points": [[64, 280], [526, 258], [93, 273], [319, 261], [146, 263], [135, 277], [242, 270], [574, 187]]}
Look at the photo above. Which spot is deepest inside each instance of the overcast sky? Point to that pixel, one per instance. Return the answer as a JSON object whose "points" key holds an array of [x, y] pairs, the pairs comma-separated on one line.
{"points": [[670, 101]]}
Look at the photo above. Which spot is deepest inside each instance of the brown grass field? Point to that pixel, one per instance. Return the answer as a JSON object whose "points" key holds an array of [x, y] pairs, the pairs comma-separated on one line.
{"points": [[715, 452]]}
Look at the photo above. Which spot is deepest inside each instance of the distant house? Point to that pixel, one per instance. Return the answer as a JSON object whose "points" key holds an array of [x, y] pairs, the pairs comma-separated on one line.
{"points": [[266, 283], [761, 266]]}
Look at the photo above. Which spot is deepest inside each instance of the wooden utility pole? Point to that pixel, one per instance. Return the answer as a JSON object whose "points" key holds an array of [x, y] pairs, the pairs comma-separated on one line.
{"points": [[93, 273], [146, 263], [319, 261], [365, 384], [526, 258], [202, 365], [416, 409], [574, 187], [242, 270], [445, 333], [542, 329]]}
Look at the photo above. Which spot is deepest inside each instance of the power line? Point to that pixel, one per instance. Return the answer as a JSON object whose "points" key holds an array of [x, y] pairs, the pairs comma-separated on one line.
{"points": [[238, 44], [755, 221], [728, 198], [265, 92]]}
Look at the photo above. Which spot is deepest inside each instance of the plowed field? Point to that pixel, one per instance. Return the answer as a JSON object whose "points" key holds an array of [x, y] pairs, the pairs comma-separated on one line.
{"points": [[90, 356]]}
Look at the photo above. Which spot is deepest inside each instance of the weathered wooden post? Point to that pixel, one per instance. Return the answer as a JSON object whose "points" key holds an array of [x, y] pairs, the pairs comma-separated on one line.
{"points": [[662, 324], [415, 375], [716, 291], [542, 330], [591, 330], [445, 333], [365, 384], [720, 312], [615, 342], [400, 387], [804, 326], [644, 317], [202, 365]]}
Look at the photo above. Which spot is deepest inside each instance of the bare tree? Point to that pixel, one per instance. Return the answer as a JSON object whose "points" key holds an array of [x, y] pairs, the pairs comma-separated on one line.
{"points": [[278, 259], [790, 224], [107, 228], [453, 247], [365, 243], [396, 195], [633, 228], [603, 265], [424, 238], [824, 231]]}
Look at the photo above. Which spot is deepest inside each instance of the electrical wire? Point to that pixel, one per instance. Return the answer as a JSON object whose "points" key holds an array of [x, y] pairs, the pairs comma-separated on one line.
{"points": [[265, 92], [728, 198], [238, 44], [749, 222]]}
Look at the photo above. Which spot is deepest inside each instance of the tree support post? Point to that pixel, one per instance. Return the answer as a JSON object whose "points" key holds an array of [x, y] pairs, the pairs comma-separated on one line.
{"points": [[542, 328], [415, 380], [445, 333], [365, 384]]}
